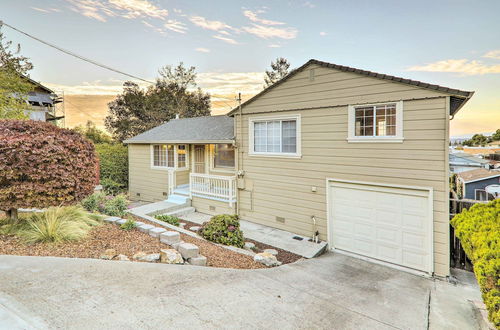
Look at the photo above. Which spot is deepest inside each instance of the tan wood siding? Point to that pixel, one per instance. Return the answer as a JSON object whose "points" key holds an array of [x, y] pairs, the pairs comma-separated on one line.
{"points": [[150, 183], [281, 187], [212, 207]]}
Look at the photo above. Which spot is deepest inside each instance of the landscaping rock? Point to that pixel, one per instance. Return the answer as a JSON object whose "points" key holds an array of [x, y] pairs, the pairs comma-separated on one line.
{"points": [[267, 259], [194, 228], [120, 222], [138, 223], [182, 224], [145, 228], [188, 250], [271, 251], [122, 257], [198, 261], [249, 245], [170, 256], [108, 254], [156, 231], [111, 219], [170, 237], [153, 257], [139, 255]]}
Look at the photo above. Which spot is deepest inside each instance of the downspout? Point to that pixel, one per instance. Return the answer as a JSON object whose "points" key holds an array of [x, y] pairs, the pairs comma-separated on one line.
{"points": [[238, 147]]}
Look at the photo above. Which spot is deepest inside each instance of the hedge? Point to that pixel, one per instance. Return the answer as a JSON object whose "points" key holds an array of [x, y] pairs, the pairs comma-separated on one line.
{"points": [[113, 161], [479, 232]]}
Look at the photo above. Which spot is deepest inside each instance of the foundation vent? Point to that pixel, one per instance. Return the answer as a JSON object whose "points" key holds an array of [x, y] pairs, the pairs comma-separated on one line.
{"points": [[165, 193], [138, 194], [280, 219], [211, 208]]}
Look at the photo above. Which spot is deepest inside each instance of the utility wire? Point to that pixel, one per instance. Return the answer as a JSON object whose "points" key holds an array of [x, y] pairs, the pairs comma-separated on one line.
{"points": [[73, 54]]}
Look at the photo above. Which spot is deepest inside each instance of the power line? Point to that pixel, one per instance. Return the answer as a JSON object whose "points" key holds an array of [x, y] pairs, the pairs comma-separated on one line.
{"points": [[73, 54]]}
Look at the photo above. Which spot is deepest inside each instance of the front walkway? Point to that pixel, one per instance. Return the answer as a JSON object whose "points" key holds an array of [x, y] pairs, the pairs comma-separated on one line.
{"points": [[328, 292]]}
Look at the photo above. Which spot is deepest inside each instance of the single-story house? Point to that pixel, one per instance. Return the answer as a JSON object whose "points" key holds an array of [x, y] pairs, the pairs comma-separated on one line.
{"points": [[360, 158], [475, 184], [461, 162]]}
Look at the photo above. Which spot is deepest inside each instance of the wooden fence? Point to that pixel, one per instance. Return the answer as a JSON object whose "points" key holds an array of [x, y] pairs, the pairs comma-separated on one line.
{"points": [[458, 258]]}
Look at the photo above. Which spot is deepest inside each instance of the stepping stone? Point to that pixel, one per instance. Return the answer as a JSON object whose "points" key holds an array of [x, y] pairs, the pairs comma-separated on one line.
{"points": [[271, 251], [249, 245], [182, 224], [170, 237], [145, 228], [198, 261], [188, 250], [194, 228], [120, 222], [111, 219], [138, 223], [176, 245], [156, 231]]}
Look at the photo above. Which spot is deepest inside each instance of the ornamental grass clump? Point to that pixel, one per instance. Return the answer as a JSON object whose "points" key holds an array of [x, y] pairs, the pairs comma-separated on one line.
{"points": [[223, 229], [58, 224], [479, 232], [110, 205]]}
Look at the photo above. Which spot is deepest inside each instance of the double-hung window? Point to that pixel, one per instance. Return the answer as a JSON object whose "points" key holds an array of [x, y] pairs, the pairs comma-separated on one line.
{"points": [[376, 123], [275, 136], [169, 156], [223, 156]]}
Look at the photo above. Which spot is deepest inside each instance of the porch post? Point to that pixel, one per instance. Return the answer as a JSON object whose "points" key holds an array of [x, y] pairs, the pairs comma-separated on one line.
{"points": [[190, 186], [231, 192]]}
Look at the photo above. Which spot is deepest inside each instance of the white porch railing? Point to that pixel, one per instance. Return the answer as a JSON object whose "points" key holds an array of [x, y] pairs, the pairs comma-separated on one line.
{"points": [[171, 182], [213, 186]]}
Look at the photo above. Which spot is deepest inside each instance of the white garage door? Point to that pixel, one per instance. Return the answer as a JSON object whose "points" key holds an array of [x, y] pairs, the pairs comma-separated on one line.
{"points": [[384, 223]]}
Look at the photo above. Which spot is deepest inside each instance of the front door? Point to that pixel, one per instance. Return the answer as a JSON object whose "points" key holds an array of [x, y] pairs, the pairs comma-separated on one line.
{"points": [[199, 158]]}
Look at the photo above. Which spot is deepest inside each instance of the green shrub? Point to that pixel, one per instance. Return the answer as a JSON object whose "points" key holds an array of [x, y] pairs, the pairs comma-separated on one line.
{"points": [[92, 202], [111, 187], [128, 225], [58, 224], [113, 164], [223, 229], [109, 205], [479, 232], [173, 220], [114, 206]]}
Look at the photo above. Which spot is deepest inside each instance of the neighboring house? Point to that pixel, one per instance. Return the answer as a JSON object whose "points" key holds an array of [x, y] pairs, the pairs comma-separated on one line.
{"points": [[481, 150], [460, 162], [42, 103], [358, 156], [475, 182]]}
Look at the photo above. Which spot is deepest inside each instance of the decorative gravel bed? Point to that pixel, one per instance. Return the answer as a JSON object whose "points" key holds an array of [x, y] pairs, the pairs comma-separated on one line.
{"points": [[110, 236], [283, 256]]}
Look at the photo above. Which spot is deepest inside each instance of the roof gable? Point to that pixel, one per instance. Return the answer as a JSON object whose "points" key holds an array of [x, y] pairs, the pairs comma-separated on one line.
{"points": [[458, 97]]}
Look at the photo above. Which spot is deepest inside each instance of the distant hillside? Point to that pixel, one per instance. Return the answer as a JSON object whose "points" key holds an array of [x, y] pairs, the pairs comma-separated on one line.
{"points": [[81, 108]]}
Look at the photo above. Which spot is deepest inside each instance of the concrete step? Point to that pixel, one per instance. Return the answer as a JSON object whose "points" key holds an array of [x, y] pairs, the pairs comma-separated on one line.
{"points": [[181, 192], [182, 212], [179, 199]]}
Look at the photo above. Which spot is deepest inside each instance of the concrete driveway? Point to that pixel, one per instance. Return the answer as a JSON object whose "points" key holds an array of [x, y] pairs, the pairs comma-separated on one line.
{"points": [[330, 292]]}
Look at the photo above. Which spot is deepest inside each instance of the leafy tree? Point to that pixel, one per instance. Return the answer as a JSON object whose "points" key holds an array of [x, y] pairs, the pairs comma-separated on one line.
{"points": [[279, 69], [94, 134], [136, 110], [496, 135], [42, 165], [476, 140], [14, 87]]}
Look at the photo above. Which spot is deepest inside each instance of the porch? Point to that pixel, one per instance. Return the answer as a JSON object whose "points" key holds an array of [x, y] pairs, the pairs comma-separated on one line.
{"points": [[208, 186]]}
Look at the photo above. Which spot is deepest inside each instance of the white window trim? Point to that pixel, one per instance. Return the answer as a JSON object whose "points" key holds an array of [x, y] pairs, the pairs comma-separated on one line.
{"points": [[351, 130], [251, 122], [168, 168], [220, 169]]}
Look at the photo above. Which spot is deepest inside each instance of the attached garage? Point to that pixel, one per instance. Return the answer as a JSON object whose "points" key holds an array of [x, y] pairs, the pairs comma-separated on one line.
{"points": [[390, 224]]}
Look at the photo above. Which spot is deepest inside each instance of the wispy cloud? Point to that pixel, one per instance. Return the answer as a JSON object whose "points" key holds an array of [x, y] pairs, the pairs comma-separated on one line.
{"points": [[130, 9], [463, 66], [495, 54], [274, 46], [309, 4], [175, 26], [202, 50], [209, 25], [254, 18], [226, 39], [46, 10], [323, 33], [268, 32]]}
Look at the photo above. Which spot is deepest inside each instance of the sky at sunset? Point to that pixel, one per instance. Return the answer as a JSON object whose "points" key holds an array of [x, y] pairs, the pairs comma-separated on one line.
{"points": [[451, 43]]}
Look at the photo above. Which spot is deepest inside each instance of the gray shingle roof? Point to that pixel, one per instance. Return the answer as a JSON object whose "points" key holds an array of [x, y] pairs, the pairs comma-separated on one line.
{"points": [[211, 129]]}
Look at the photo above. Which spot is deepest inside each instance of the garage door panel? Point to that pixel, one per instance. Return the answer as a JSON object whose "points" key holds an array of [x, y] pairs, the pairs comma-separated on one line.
{"points": [[384, 223]]}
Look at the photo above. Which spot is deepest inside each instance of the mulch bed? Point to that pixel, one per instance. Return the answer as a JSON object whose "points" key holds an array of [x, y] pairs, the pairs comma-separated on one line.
{"points": [[285, 257]]}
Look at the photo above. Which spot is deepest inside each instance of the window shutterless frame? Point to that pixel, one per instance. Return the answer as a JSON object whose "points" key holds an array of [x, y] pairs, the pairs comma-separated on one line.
{"points": [[351, 130], [251, 136], [166, 158]]}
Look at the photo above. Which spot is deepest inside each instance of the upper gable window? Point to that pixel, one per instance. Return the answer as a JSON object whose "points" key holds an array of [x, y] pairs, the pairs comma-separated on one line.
{"points": [[376, 123], [275, 136]]}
